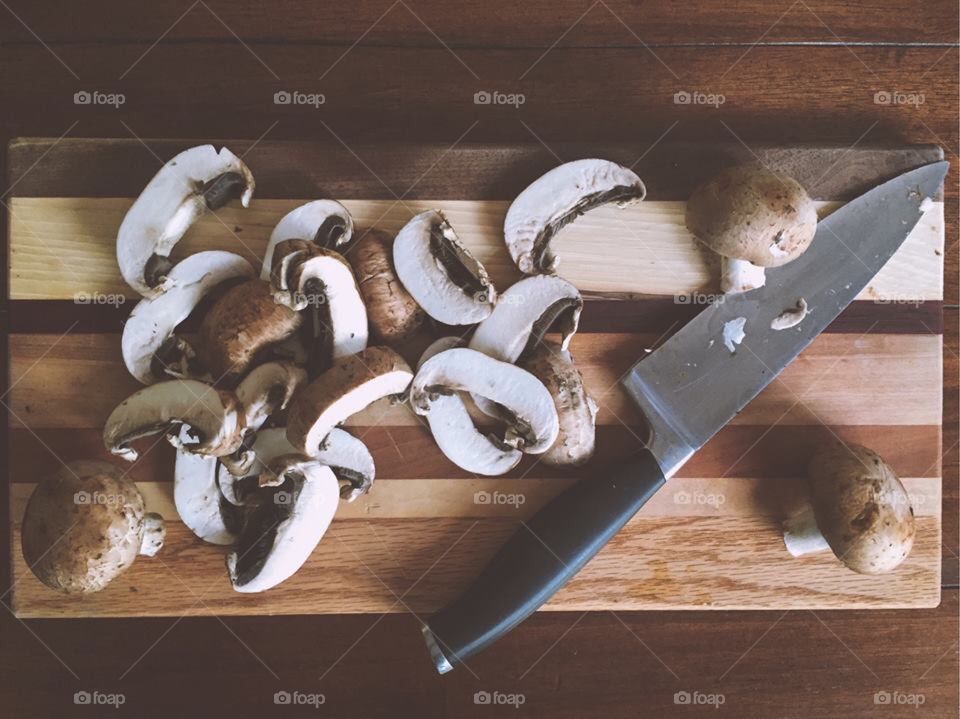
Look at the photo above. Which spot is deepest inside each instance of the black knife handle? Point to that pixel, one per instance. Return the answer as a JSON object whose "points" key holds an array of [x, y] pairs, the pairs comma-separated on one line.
{"points": [[541, 556]]}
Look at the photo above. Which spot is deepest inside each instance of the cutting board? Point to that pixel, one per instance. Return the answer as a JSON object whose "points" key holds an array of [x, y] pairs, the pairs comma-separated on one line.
{"points": [[710, 539]]}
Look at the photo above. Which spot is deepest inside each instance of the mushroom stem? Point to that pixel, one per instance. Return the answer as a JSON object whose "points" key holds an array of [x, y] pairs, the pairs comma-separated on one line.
{"points": [[802, 536], [740, 276], [154, 532]]}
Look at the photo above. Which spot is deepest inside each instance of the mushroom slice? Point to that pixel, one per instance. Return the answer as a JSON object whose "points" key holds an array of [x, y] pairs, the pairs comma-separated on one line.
{"points": [[455, 433], [282, 531], [577, 411], [243, 324], [351, 384], [556, 199], [194, 181], [151, 350], [306, 276], [394, 314], [213, 417], [325, 223], [262, 393], [439, 272], [527, 407], [525, 313], [86, 524], [199, 501]]}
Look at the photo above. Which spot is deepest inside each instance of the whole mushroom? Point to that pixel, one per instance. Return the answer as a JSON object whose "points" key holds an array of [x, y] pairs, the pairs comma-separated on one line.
{"points": [[85, 525], [858, 508], [753, 218]]}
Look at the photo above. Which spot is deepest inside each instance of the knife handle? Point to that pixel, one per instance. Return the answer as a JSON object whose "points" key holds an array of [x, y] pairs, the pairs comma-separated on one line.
{"points": [[540, 557]]}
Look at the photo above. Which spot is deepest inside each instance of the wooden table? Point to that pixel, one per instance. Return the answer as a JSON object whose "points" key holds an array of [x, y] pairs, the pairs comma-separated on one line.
{"points": [[778, 72]]}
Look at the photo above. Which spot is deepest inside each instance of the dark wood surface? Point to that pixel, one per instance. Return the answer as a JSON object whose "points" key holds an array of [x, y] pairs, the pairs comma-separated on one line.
{"points": [[612, 74]]}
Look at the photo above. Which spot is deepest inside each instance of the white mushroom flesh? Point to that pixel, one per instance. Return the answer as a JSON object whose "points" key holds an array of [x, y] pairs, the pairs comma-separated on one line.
{"points": [[440, 273], [556, 199], [740, 276], [194, 181], [326, 223], [150, 349], [199, 501], [733, 333], [790, 318]]}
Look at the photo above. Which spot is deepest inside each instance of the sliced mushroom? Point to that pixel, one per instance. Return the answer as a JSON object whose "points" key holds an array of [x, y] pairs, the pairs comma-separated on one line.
{"points": [[394, 314], [527, 407], [439, 272], [266, 391], [213, 416], [194, 181], [84, 525], [309, 277], [325, 223], [753, 218], [281, 533], [525, 313], [858, 508], [456, 434], [556, 199], [350, 385], [577, 411], [240, 327], [151, 350], [199, 501]]}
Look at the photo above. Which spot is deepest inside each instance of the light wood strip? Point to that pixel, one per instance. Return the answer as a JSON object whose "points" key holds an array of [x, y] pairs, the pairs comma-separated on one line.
{"points": [[76, 380], [63, 248], [364, 566]]}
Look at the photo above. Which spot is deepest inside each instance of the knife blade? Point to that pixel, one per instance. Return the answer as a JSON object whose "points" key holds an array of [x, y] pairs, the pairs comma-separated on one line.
{"points": [[687, 390]]}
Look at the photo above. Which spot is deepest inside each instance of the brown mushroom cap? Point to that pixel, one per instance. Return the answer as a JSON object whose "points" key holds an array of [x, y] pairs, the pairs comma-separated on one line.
{"points": [[83, 526], [861, 508], [750, 213], [240, 325], [394, 314]]}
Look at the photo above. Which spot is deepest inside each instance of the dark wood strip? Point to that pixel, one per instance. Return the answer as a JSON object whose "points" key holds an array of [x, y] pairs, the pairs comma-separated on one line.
{"points": [[654, 315], [537, 23], [411, 453], [298, 170]]}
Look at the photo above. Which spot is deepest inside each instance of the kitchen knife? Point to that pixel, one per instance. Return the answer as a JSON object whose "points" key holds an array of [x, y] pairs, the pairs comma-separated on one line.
{"points": [[687, 389]]}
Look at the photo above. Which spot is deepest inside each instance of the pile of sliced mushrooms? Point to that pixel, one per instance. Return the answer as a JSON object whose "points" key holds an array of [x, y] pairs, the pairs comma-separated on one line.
{"points": [[255, 400]]}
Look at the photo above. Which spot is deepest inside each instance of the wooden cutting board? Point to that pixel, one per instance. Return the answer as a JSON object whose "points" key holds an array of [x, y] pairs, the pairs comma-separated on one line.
{"points": [[710, 539]]}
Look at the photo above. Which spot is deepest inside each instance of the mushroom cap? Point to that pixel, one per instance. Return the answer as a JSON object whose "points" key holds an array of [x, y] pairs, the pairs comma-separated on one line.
{"points": [[243, 323], [154, 320], [557, 198], [749, 213], [83, 526], [325, 223], [394, 315], [440, 273], [350, 385], [197, 179], [577, 411], [861, 508]]}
